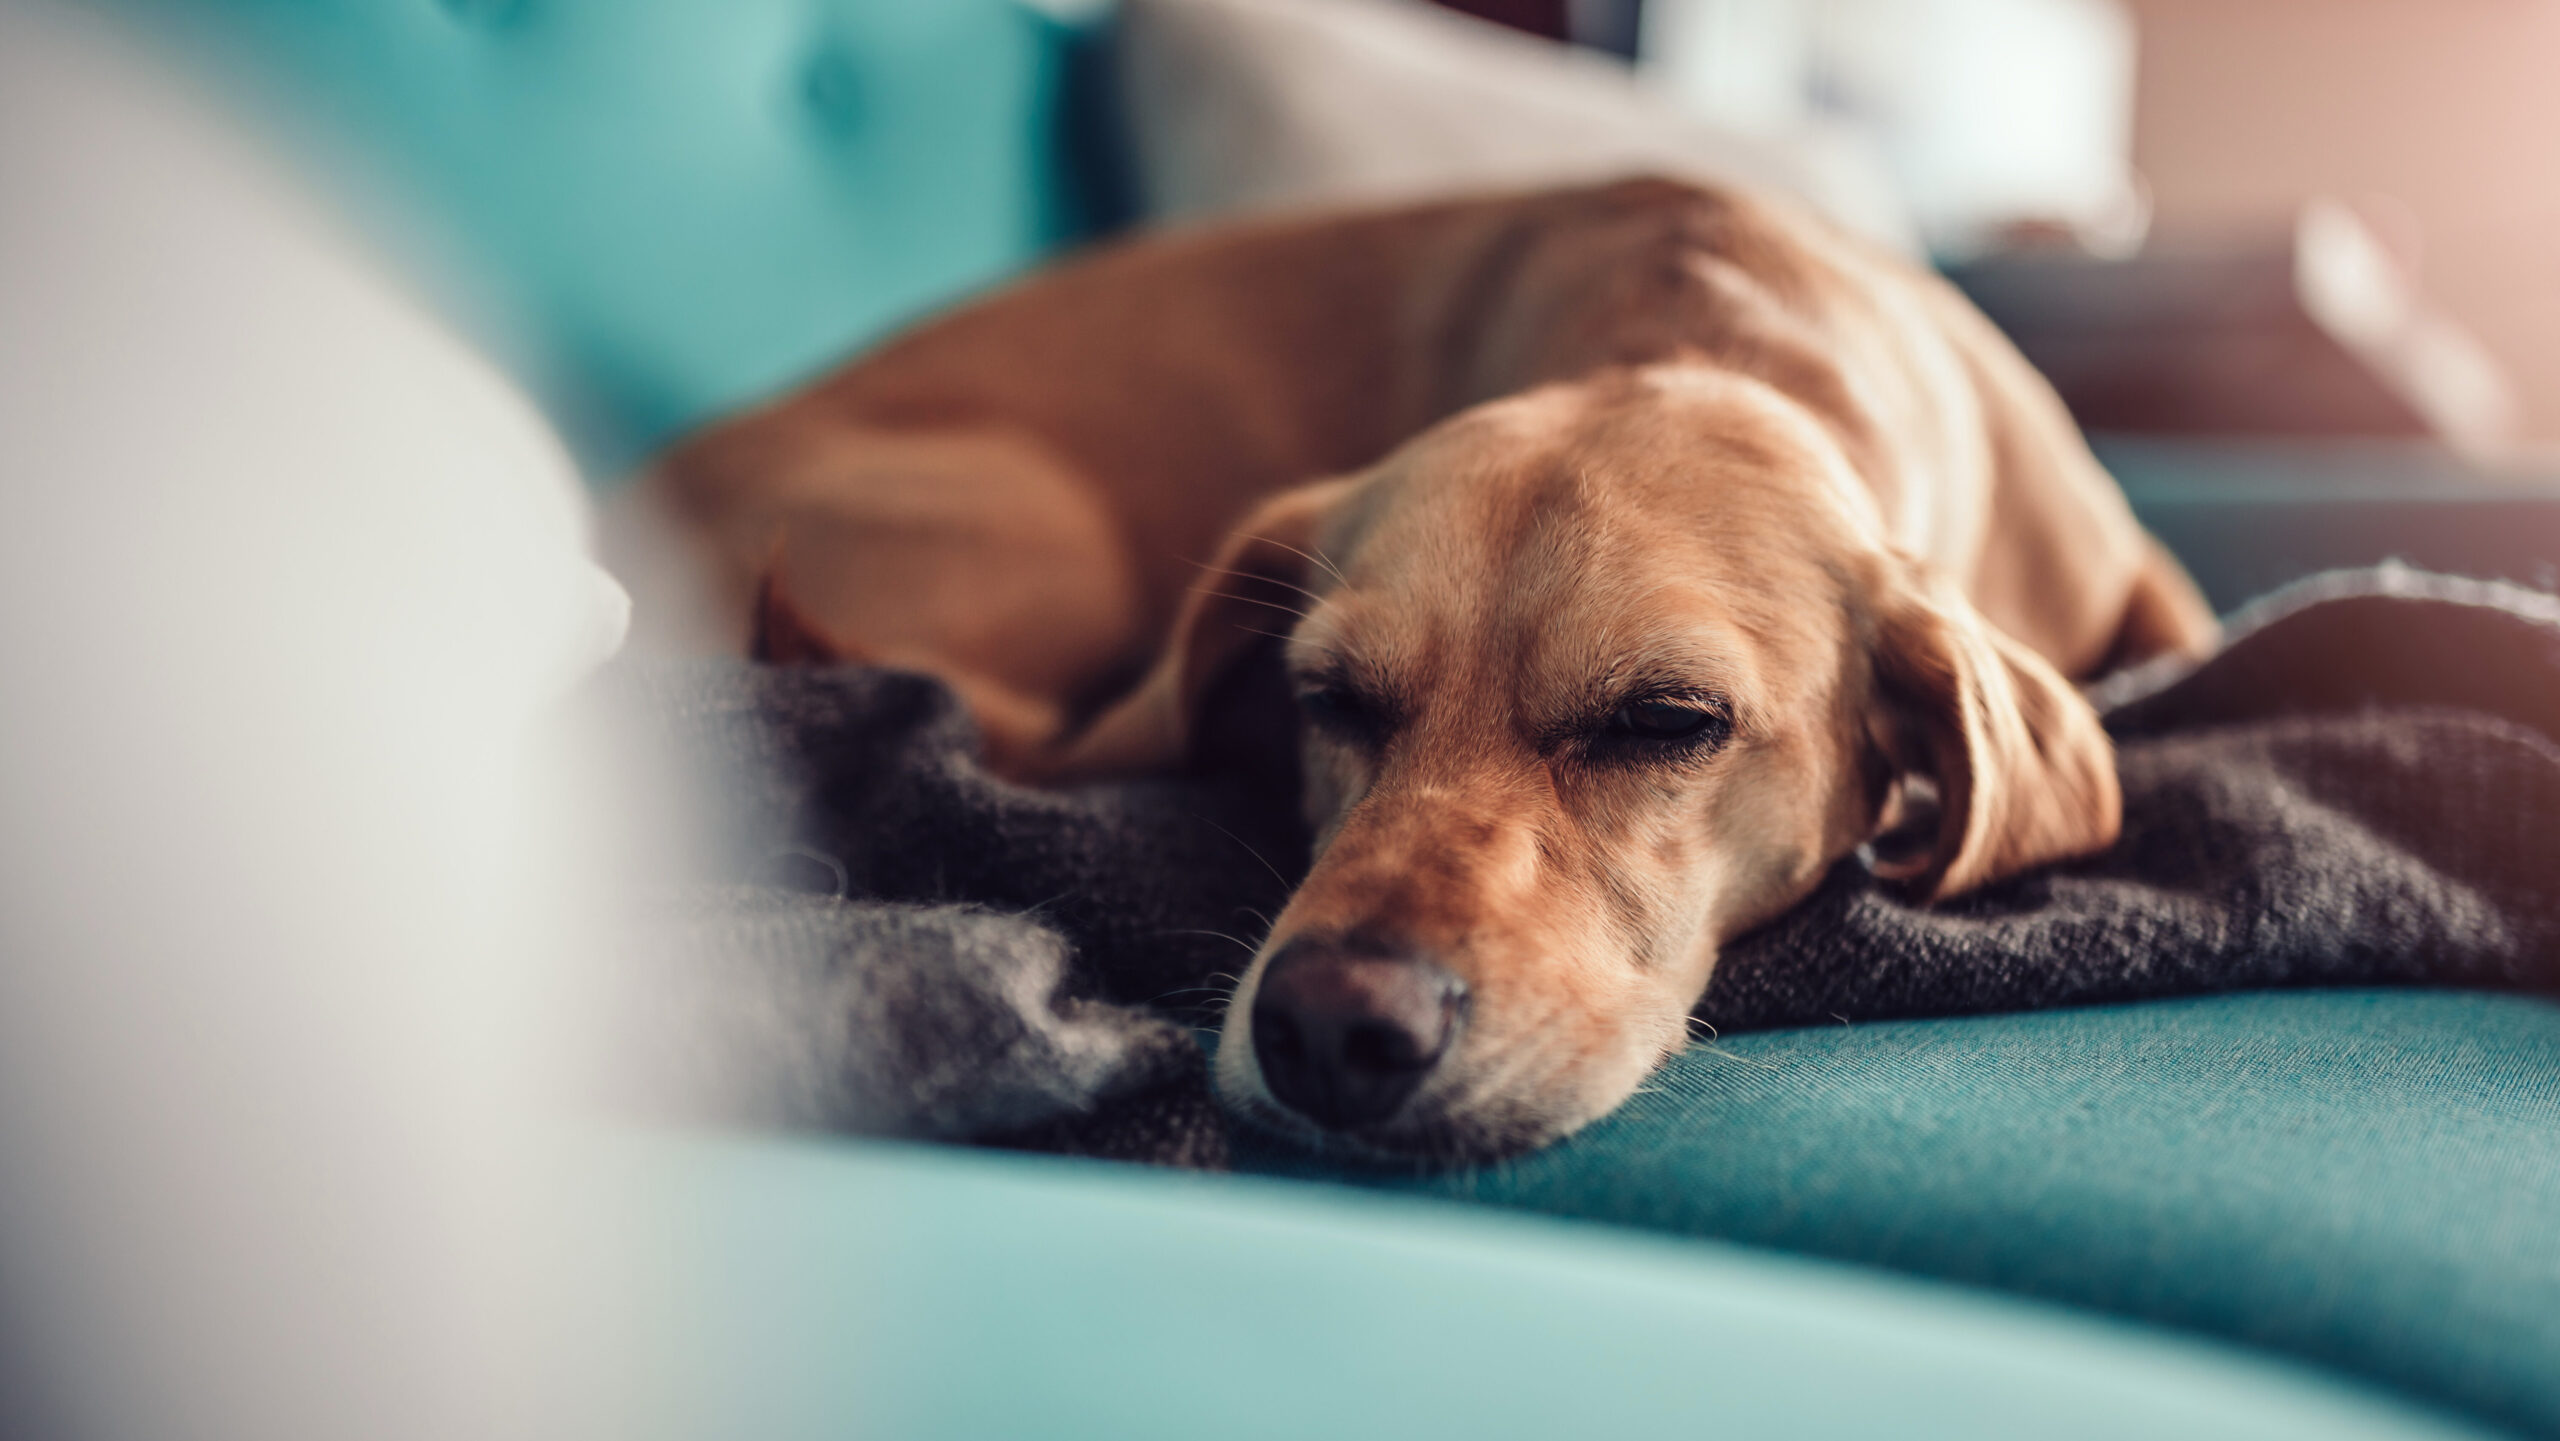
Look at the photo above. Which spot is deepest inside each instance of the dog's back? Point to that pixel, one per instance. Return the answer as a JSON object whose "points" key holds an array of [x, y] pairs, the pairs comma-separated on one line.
{"points": [[1017, 496]]}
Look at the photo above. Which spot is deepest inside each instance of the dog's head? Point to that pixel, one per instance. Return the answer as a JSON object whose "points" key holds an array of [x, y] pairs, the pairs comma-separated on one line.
{"points": [[1591, 680]]}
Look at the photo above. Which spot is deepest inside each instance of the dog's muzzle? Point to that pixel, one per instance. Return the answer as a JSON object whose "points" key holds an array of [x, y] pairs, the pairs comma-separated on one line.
{"points": [[1347, 1030]]}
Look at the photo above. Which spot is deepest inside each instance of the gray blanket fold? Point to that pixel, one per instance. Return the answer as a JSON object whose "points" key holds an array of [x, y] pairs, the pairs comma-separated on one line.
{"points": [[2361, 788]]}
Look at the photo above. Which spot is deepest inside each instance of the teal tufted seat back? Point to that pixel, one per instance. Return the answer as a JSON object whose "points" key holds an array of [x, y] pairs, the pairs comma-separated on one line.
{"points": [[669, 208]]}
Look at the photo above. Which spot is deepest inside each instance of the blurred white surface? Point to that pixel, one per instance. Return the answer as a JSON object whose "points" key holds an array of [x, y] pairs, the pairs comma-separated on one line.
{"points": [[290, 584], [1239, 105], [1991, 113]]}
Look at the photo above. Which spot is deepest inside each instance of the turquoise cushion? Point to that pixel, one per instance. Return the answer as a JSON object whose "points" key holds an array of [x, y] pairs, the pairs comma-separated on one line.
{"points": [[828, 1291], [671, 208], [2367, 1179]]}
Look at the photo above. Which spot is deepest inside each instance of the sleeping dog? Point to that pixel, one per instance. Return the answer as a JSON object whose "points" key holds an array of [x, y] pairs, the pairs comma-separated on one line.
{"points": [[1633, 555]]}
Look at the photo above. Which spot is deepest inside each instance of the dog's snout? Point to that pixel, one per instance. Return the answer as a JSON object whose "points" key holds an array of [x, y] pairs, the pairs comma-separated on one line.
{"points": [[1345, 1033]]}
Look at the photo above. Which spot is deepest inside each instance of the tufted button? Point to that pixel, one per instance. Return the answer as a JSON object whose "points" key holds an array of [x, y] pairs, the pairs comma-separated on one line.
{"points": [[831, 85]]}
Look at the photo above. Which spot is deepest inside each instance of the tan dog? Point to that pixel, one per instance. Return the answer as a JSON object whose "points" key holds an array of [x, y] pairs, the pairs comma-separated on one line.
{"points": [[1635, 554]]}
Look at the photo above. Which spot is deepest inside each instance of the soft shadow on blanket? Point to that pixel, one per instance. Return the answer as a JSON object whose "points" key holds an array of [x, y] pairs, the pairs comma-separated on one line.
{"points": [[2360, 789]]}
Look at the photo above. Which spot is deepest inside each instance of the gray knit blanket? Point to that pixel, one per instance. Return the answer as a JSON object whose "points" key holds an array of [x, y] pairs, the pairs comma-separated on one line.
{"points": [[877, 936]]}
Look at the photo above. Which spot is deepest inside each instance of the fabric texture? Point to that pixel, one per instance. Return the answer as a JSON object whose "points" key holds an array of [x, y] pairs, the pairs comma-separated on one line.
{"points": [[2361, 787], [2360, 1179], [890, 940], [2358, 789], [1269, 104]]}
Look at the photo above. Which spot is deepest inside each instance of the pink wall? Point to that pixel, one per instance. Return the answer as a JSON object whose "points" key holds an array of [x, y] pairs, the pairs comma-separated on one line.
{"points": [[2446, 109]]}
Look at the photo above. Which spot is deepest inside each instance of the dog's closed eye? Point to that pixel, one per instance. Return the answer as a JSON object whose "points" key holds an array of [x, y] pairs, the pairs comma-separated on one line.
{"points": [[1664, 727], [1663, 720], [1344, 711]]}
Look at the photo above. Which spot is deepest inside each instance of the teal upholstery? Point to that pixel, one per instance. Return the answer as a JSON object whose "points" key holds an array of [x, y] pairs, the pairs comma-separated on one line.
{"points": [[2369, 1179], [854, 1290], [670, 209]]}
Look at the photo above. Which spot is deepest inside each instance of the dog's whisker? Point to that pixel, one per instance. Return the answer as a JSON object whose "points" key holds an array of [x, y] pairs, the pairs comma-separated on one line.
{"points": [[1247, 599], [1068, 894], [1310, 557], [1267, 579], [1237, 941], [1248, 849]]}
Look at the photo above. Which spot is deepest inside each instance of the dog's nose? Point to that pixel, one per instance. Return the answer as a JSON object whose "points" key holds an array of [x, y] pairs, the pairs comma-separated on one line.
{"points": [[1345, 1032]]}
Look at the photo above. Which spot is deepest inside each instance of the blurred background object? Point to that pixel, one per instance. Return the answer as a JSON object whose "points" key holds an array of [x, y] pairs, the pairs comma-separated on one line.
{"points": [[291, 585], [1990, 113], [2230, 136], [603, 259], [643, 267], [2437, 116], [1241, 105], [2315, 330]]}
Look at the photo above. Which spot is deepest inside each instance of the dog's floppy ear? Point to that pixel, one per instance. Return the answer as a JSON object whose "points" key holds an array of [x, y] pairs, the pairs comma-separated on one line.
{"points": [[2024, 772], [1247, 596]]}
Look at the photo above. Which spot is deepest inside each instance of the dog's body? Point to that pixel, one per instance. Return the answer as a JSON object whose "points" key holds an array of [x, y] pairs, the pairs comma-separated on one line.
{"points": [[1627, 547]]}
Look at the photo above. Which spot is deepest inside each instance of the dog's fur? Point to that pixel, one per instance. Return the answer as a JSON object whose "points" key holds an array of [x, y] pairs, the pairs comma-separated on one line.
{"points": [[1483, 474]]}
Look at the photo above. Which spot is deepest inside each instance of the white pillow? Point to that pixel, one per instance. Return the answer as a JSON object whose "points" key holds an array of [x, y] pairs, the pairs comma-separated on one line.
{"points": [[291, 583], [1237, 105]]}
